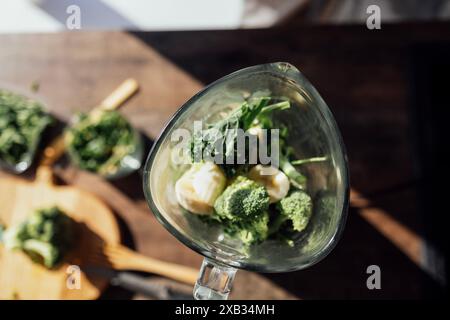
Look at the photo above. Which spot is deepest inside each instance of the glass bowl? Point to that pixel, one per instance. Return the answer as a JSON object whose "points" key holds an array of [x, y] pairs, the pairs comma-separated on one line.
{"points": [[127, 165], [313, 132], [27, 160]]}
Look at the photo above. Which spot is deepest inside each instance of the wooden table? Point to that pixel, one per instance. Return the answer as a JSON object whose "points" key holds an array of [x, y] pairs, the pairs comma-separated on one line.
{"points": [[362, 74]]}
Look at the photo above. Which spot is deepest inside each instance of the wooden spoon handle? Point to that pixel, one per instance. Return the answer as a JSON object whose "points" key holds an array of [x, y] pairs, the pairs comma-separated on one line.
{"points": [[120, 95], [53, 151], [138, 262], [50, 155]]}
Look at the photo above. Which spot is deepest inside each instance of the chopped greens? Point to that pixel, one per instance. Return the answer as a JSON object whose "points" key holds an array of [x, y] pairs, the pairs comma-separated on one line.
{"points": [[22, 121], [99, 143]]}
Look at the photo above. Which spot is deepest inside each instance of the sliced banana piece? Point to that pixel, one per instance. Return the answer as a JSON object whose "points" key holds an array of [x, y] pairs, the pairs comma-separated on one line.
{"points": [[275, 181], [199, 187]]}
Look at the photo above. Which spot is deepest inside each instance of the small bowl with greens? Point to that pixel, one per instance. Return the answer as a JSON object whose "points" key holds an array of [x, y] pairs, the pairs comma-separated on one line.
{"points": [[104, 142], [22, 122]]}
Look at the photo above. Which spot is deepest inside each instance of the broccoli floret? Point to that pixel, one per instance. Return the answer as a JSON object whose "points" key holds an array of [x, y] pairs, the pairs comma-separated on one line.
{"points": [[50, 225], [14, 237], [243, 210], [45, 236], [43, 252], [254, 231], [243, 199], [296, 207]]}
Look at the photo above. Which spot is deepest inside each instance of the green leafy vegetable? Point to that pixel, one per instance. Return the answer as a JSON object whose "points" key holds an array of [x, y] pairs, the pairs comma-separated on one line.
{"points": [[296, 178], [22, 121], [220, 138]]}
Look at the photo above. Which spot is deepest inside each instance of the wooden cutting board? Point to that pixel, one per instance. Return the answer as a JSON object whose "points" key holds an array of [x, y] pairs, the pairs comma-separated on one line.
{"points": [[20, 278]]}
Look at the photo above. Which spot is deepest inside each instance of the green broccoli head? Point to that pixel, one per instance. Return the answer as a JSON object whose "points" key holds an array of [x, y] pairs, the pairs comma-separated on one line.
{"points": [[254, 231], [43, 252], [14, 237], [242, 199], [50, 225], [243, 210], [296, 208], [45, 236]]}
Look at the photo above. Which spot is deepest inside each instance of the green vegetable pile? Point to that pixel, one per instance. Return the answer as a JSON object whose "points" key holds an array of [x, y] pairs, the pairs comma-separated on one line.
{"points": [[252, 207], [21, 122], [243, 209], [99, 143], [243, 118], [46, 236]]}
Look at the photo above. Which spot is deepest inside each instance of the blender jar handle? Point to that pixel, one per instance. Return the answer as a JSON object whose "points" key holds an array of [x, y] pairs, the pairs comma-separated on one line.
{"points": [[214, 281]]}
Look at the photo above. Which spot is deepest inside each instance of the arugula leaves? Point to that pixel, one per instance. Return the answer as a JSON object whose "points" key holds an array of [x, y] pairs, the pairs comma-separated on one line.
{"points": [[220, 138]]}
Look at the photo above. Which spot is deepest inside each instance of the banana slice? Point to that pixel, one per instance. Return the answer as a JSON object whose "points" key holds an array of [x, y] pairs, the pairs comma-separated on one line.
{"points": [[199, 187], [275, 181]]}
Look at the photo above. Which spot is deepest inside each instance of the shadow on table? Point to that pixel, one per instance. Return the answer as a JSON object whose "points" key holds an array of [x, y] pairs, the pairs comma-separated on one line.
{"points": [[342, 274]]}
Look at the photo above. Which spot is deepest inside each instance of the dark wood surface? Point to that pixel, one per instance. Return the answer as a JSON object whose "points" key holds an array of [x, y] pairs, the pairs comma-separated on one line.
{"points": [[363, 75]]}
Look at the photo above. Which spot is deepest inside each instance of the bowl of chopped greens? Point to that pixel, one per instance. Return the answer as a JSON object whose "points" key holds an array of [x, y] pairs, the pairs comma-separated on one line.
{"points": [[22, 122], [104, 142], [251, 173]]}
